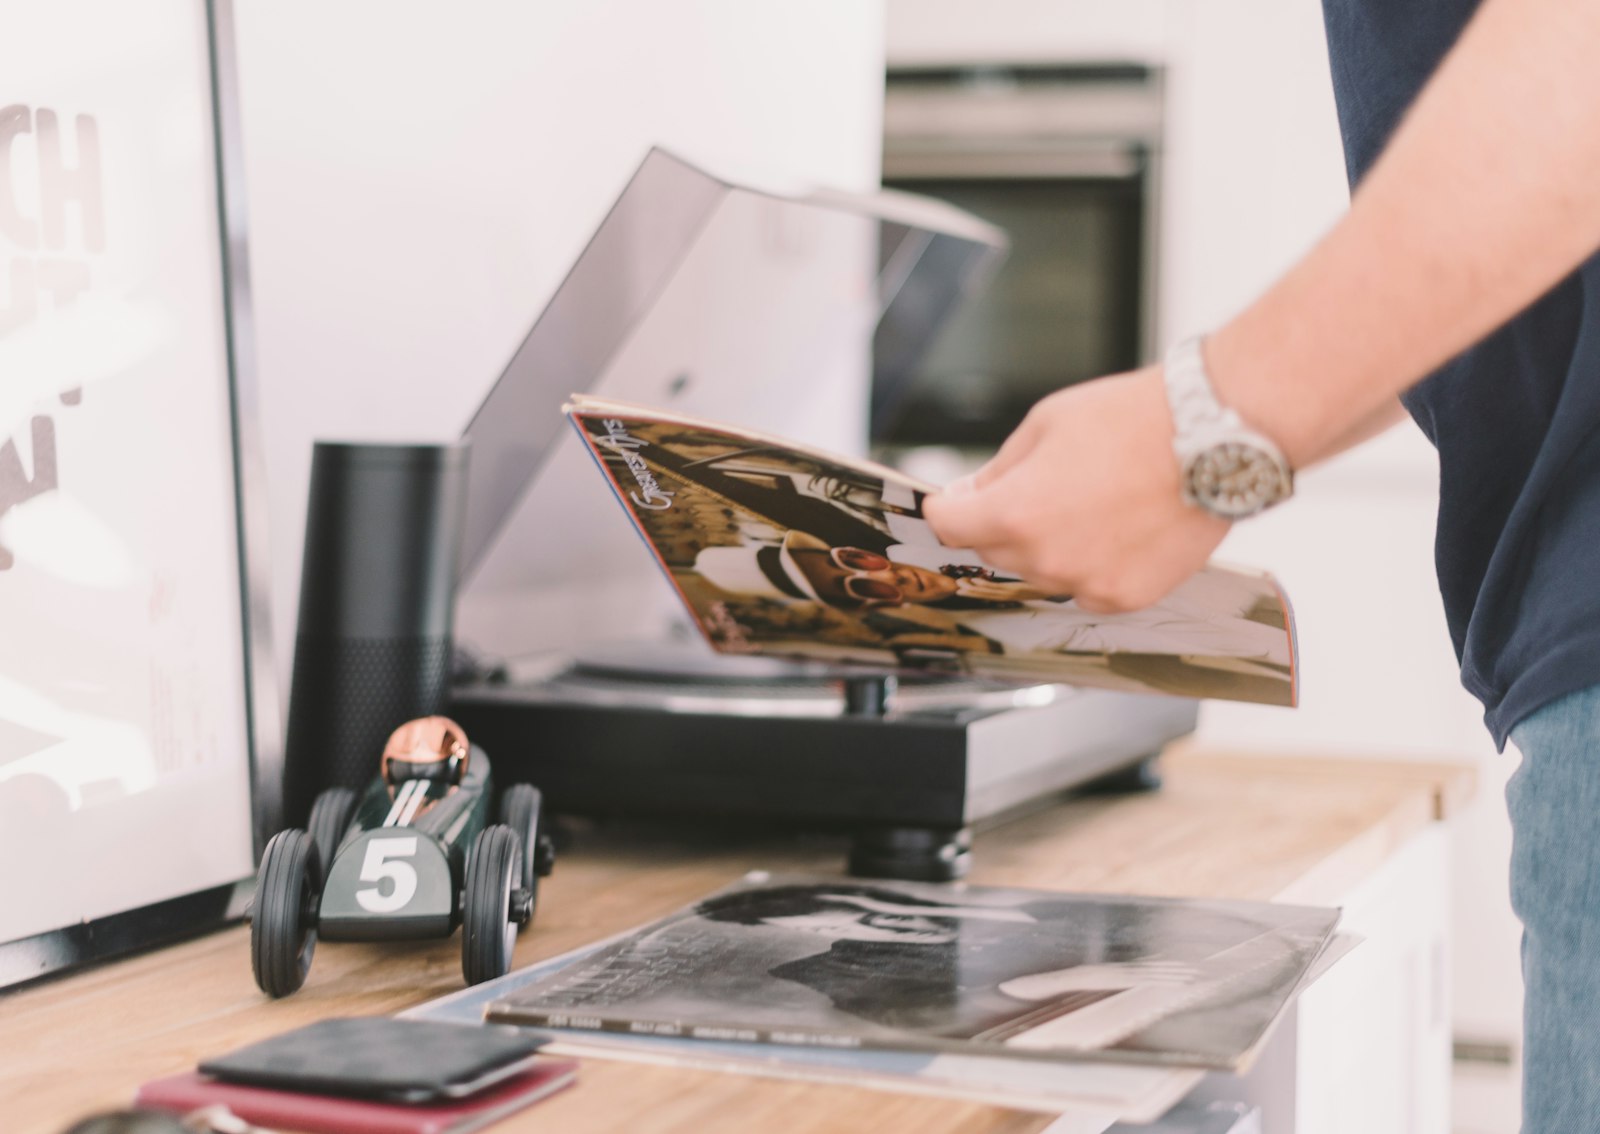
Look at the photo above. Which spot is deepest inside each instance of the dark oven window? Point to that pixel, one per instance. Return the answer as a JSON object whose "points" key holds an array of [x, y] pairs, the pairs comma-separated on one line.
{"points": [[1063, 307]]}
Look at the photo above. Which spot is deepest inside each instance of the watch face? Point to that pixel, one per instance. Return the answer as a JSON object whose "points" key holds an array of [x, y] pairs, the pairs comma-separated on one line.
{"points": [[1234, 479]]}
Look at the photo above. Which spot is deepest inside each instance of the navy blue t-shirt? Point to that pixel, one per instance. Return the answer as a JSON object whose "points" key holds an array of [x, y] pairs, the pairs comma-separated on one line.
{"points": [[1516, 419]]}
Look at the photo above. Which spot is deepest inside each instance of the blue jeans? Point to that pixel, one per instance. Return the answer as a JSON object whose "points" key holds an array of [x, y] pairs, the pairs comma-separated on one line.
{"points": [[1554, 799]]}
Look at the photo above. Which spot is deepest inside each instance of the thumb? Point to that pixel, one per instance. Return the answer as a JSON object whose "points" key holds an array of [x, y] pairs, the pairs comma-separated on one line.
{"points": [[958, 514], [963, 515]]}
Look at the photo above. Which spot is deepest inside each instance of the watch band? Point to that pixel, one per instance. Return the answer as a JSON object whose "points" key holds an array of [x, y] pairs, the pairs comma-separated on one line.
{"points": [[1226, 467], [1194, 405]]}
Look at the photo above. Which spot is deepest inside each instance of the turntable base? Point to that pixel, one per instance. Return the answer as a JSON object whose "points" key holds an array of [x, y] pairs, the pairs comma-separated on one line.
{"points": [[906, 767]]}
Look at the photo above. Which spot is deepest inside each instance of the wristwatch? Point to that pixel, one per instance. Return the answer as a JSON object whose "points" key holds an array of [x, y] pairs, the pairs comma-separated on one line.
{"points": [[1227, 468]]}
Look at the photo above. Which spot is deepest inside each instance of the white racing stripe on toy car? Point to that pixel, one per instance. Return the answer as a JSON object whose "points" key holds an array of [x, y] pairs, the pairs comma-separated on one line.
{"points": [[406, 803]]}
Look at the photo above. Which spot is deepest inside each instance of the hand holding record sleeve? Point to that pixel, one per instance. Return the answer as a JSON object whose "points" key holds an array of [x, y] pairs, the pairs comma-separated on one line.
{"points": [[777, 548]]}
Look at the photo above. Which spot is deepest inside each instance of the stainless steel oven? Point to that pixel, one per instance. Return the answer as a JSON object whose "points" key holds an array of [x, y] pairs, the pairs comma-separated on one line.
{"points": [[1067, 160]]}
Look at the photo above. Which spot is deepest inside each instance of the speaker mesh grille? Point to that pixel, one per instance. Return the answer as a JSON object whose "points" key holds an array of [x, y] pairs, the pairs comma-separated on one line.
{"points": [[347, 695]]}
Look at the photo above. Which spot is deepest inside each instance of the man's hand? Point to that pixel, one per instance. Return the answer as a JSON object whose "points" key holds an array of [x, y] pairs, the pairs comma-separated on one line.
{"points": [[1083, 499]]}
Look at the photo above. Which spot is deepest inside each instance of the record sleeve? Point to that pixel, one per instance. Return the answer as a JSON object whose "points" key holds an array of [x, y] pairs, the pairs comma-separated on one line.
{"points": [[1131, 1093], [841, 963], [781, 549]]}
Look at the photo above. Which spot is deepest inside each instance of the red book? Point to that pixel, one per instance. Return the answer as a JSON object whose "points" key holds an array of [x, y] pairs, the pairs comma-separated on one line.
{"points": [[328, 1114]]}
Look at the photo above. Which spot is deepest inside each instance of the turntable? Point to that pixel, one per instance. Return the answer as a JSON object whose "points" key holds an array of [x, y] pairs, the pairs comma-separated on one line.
{"points": [[804, 315]]}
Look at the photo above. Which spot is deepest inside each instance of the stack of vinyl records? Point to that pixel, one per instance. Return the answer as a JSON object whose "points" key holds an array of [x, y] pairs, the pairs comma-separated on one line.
{"points": [[1022, 998]]}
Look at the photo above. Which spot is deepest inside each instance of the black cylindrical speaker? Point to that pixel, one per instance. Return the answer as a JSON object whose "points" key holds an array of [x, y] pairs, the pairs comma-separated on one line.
{"points": [[377, 592]]}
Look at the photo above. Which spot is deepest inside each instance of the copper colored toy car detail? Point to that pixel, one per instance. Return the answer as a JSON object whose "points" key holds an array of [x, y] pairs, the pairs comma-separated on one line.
{"points": [[428, 748]]}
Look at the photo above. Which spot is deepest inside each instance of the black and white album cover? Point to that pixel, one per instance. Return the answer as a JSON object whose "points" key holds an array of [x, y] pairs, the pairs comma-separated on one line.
{"points": [[867, 963]]}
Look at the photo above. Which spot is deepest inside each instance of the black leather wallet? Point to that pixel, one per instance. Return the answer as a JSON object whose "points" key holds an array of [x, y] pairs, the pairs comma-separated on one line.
{"points": [[380, 1057]]}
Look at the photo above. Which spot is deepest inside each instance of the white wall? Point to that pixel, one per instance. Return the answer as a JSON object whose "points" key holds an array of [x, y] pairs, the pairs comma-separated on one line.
{"points": [[1254, 174], [422, 175]]}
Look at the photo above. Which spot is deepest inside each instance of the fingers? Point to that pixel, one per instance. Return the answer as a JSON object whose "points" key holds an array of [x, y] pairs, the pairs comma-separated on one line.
{"points": [[1013, 450], [1104, 578], [1011, 453], [1142, 580], [1083, 500], [1089, 603], [964, 516]]}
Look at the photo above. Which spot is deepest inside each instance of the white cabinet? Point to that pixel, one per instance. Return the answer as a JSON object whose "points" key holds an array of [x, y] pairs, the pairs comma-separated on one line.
{"points": [[1367, 1048]]}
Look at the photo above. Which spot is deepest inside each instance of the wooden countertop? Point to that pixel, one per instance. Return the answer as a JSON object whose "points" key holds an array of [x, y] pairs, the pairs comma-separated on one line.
{"points": [[1223, 826]]}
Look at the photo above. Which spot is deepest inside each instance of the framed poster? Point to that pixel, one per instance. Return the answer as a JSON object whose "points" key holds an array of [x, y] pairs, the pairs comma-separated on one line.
{"points": [[136, 711]]}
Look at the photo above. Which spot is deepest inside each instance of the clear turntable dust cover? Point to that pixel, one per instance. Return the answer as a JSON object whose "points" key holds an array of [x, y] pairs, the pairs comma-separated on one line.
{"points": [[782, 550], [915, 966]]}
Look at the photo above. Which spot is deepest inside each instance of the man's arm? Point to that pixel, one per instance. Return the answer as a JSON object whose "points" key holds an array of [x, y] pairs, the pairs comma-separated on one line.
{"points": [[1389, 415], [1488, 194]]}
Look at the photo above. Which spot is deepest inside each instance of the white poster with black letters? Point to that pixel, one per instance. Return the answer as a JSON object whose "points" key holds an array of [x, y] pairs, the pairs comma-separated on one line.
{"points": [[124, 747]]}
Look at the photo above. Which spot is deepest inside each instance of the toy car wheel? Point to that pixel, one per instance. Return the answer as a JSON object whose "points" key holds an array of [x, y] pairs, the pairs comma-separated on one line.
{"points": [[330, 819], [522, 809], [488, 931], [283, 925]]}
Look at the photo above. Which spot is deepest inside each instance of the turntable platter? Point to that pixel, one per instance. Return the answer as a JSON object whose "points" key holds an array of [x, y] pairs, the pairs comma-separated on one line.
{"points": [[688, 677], [678, 662]]}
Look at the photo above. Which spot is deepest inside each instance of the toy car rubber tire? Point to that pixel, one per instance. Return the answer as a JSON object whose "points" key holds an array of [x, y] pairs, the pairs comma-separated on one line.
{"points": [[488, 932], [522, 809], [282, 927], [330, 819]]}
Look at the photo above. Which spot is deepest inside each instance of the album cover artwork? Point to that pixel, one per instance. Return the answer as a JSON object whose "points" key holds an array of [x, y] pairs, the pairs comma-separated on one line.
{"points": [[971, 969], [1129, 1092], [779, 549]]}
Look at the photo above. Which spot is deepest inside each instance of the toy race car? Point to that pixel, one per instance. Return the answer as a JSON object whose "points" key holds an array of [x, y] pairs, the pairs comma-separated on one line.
{"points": [[396, 864]]}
